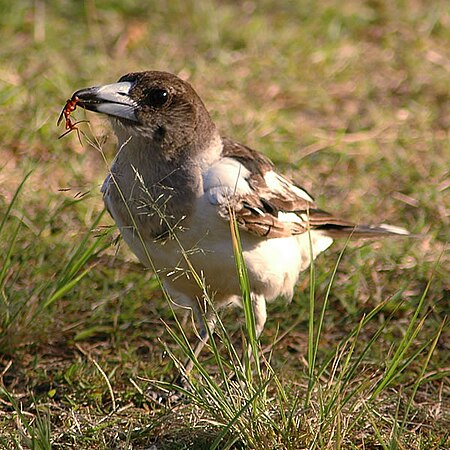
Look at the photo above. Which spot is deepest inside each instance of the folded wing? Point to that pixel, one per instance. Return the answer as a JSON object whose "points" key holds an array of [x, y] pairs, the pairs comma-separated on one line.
{"points": [[267, 204]]}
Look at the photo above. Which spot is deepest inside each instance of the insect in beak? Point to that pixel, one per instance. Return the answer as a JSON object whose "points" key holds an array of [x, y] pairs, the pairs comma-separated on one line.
{"points": [[69, 108]]}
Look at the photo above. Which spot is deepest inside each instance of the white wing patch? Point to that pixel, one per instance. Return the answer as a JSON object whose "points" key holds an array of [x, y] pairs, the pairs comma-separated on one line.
{"points": [[301, 193], [290, 217], [225, 178], [278, 185]]}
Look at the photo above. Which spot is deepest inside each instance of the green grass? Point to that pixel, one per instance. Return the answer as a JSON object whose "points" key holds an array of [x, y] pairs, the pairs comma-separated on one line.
{"points": [[351, 100]]}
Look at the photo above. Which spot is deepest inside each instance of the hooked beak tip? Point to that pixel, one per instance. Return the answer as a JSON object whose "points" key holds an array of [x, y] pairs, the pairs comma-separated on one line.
{"points": [[111, 99]]}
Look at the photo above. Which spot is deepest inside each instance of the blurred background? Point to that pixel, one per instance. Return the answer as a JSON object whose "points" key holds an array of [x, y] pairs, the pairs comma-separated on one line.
{"points": [[350, 99]]}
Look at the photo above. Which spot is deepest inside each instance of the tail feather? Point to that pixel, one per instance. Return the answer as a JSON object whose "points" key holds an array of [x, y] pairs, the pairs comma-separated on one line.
{"points": [[336, 227], [363, 231]]}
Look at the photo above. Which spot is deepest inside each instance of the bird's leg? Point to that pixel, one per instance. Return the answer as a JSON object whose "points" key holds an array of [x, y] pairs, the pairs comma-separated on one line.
{"points": [[260, 312]]}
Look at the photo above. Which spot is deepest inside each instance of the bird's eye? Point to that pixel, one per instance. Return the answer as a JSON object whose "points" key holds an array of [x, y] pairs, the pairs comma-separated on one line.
{"points": [[156, 97]]}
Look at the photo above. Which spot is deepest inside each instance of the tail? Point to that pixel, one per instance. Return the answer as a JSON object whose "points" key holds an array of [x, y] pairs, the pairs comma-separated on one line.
{"points": [[363, 231], [335, 227]]}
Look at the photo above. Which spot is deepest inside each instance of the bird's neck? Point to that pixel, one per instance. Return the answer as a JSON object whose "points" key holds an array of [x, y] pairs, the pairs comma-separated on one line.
{"points": [[156, 165], [153, 184]]}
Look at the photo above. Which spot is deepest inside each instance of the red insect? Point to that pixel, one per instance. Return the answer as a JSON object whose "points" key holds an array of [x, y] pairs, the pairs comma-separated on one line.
{"points": [[69, 108]]}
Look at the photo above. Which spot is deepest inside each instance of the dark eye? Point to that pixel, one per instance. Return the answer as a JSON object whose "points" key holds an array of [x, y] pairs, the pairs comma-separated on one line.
{"points": [[156, 97]]}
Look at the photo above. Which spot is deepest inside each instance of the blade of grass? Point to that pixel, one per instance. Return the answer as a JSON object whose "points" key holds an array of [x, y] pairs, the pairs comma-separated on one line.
{"points": [[313, 345], [417, 383], [392, 369], [246, 406], [13, 201], [311, 342], [245, 293]]}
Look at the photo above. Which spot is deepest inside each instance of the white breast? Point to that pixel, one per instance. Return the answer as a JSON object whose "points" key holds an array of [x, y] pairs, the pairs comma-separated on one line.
{"points": [[273, 264]]}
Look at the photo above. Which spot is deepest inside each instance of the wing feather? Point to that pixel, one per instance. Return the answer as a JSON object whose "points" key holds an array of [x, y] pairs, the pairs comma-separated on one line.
{"points": [[266, 203]]}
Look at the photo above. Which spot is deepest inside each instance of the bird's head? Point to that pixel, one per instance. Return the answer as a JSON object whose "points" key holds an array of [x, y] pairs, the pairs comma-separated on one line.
{"points": [[156, 106]]}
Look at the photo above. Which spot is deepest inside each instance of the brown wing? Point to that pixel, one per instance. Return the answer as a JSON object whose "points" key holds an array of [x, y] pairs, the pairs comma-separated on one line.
{"points": [[258, 212], [276, 207]]}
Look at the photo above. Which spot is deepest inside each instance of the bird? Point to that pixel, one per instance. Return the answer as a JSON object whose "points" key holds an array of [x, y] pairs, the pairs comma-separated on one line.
{"points": [[175, 185]]}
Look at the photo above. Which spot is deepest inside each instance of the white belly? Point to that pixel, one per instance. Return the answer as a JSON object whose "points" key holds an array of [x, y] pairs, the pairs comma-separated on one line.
{"points": [[273, 265]]}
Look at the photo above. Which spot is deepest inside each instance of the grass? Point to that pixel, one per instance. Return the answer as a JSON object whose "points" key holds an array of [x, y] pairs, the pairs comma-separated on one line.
{"points": [[351, 100]]}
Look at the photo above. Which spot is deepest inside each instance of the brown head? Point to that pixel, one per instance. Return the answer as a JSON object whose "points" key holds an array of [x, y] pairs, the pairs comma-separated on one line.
{"points": [[158, 107]]}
